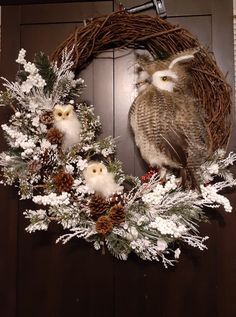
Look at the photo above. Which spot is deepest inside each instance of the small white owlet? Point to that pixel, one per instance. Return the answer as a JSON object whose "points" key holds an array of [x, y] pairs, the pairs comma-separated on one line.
{"points": [[66, 121], [99, 180]]}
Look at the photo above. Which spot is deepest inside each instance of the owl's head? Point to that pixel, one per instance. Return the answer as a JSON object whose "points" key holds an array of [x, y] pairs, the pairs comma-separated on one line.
{"points": [[170, 74], [95, 169], [61, 112]]}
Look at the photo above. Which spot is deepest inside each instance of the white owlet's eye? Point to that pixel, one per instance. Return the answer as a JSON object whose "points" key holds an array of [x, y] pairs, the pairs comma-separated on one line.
{"points": [[100, 169], [94, 170], [164, 78], [59, 114], [67, 113]]}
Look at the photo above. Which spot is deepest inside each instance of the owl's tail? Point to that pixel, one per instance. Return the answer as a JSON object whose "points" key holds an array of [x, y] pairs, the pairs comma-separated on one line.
{"points": [[190, 179]]}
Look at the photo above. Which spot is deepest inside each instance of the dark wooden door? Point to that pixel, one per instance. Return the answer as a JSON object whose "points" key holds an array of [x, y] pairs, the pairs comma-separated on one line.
{"points": [[39, 278]]}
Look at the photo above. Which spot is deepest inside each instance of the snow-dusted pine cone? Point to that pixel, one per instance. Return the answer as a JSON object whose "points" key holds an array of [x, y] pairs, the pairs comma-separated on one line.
{"points": [[104, 225], [47, 118], [117, 199], [98, 206], [34, 166], [54, 136], [49, 159], [63, 181], [117, 214]]}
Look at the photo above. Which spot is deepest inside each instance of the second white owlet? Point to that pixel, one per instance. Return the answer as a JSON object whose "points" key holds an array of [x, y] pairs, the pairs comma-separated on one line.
{"points": [[167, 120], [99, 180], [66, 121]]}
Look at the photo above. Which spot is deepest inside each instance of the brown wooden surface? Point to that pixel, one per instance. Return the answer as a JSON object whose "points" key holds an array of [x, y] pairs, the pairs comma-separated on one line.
{"points": [[9, 206], [28, 2], [39, 278]]}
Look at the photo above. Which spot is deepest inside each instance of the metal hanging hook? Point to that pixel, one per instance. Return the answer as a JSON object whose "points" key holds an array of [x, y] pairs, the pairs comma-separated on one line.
{"points": [[158, 5]]}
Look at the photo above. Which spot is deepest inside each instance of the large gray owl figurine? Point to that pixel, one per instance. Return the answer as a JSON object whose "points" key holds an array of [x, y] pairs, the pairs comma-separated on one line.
{"points": [[167, 119]]}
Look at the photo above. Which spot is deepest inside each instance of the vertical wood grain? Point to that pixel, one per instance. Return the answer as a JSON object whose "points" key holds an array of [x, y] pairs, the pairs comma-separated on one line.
{"points": [[10, 42], [44, 37], [199, 26], [64, 13], [124, 94], [103, 91]]}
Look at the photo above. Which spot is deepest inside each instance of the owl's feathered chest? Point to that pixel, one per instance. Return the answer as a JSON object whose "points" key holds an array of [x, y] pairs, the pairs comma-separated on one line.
{"points": [[69, 127], [152, 110], [161, 109], [103, 184]]}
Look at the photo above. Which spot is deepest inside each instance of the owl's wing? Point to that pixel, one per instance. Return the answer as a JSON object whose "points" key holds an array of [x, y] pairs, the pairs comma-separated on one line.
{"points": [[204, 131], [191, 124], [167, 136], [148, 114], [174, 144]]}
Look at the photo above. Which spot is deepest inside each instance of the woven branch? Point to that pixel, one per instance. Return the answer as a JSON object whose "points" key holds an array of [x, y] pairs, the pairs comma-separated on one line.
{"points": [[161, 39]]}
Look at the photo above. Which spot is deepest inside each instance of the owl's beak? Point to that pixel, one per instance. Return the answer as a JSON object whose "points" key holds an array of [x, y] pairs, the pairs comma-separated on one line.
{"points": [[143, 82]]}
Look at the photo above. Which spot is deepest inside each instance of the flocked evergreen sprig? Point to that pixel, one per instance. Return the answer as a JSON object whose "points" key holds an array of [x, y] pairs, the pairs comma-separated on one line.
{"points": [[152, 219]]}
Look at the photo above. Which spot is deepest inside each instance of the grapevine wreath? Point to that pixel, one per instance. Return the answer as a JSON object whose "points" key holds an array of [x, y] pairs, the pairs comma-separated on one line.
{"points": [[55, 168]]}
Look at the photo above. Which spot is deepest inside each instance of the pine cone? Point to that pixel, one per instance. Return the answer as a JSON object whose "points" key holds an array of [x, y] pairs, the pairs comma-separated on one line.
{"points": [[63, 181], [98, 206], [117, 199], [34, 166], [54, 136], [47, 118], [117, 214], [104, 225], [49, 159]]}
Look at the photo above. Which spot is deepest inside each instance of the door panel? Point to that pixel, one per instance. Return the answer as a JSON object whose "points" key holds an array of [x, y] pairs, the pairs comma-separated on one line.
{"points": [[54, 13], [124, 94], [44, 279], [199, 26], [48, 36], [103, 90], [8, 196]]}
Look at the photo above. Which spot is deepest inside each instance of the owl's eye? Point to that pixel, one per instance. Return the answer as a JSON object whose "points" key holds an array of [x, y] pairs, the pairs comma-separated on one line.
{"points": [[94, 170], [164, 78], [59, 114], [100, 169], [67, 114]]}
